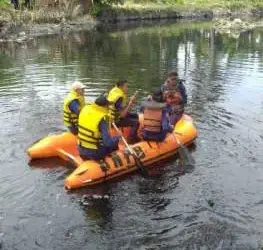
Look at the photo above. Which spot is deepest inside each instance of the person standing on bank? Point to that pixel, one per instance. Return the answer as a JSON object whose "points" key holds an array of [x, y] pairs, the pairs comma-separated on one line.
{"points": [[73, 104], [119, 111]]}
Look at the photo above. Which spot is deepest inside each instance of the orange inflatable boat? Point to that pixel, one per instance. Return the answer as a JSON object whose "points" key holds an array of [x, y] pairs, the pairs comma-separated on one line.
{"points": [[119, 162]]}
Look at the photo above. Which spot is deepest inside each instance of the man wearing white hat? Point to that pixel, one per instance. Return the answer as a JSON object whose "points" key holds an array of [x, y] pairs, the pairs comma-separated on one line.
{"points": [[73, 104]]}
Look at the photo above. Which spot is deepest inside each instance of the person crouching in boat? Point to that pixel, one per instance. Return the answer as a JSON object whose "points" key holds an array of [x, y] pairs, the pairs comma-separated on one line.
{"points": [[174, 99], [94, 140], [175, 84], [73, 104], [120, 110], [173, 92], [172, 82], [156, 118]]}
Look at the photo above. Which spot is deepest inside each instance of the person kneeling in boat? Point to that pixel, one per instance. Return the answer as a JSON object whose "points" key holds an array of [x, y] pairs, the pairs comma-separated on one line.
{"points": [[73, 104], [173, 93], [94, 140], [173, 83], [174, 99], [156, 118], [120, 111]]}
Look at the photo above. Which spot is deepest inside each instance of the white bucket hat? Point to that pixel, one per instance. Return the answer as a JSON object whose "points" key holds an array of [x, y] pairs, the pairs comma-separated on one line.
{"points": [[77, 85]]}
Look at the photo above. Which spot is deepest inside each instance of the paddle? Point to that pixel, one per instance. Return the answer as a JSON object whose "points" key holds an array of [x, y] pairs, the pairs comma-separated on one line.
{"points": [[133, 153], [184, 154]]}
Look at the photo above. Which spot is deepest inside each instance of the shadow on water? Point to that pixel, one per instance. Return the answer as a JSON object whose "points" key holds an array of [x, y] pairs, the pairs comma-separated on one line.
{"points": [[47, 163]]}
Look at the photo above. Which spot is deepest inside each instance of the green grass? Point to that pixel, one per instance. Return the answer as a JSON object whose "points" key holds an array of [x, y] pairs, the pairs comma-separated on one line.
{"points": [[149, 6], [4, 3], [70, 9], [188, 4], [142, 7], [224, 3], [67, 10]]}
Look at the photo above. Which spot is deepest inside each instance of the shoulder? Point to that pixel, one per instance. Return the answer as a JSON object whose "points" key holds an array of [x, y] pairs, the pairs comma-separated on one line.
{"points": [[104, 123], [119, 102], [74, 102], [181, 82]]}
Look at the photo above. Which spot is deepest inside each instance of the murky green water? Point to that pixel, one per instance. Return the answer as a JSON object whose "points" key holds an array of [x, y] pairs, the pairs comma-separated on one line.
{"points": [[224, 80]]}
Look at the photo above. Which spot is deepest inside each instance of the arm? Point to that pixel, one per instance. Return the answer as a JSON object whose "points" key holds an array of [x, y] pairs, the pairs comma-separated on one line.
{"points": [[183, 93], [108, 141], [123, 110], [166, 126], [74, 107]]}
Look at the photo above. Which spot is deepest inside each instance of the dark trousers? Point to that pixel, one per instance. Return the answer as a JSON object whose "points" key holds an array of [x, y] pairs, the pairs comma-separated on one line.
{"points": [[131, 119], [73, 129], [15, 3], [174, 118]]}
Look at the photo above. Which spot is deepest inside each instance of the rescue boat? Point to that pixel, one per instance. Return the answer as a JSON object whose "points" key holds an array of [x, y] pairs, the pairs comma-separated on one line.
{"points": [[120, 162]]}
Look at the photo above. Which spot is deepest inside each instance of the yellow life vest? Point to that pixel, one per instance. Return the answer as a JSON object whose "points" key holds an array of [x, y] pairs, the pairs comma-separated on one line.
{"points": [[69, 117], [114, 96], [90, 117]]}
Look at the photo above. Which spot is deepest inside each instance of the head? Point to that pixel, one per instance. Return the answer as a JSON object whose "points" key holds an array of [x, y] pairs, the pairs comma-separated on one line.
{"points": [[78, 87], [102, 101], [157, 95], [123, 85], [171, 79]]}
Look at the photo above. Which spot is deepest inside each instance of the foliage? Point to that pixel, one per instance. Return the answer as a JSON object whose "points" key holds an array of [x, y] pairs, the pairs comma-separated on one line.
{"points": [[4, 3], [66, 10], [98, 5], [71, 9]]}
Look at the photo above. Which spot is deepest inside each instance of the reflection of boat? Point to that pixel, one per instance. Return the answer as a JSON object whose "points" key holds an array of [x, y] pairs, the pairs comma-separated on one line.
{"points": [[119, 162]]}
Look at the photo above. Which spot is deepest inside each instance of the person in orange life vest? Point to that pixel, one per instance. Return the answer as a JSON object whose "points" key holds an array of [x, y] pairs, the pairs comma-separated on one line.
{"points": [[174, 99], [72, 106], [156, 119], [120, 109], [94, 139], [172, 83], [174, 93]]}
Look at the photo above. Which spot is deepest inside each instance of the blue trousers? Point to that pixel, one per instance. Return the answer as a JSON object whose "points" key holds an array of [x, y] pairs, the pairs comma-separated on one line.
{"points": [[154, 136], [95, 154]]}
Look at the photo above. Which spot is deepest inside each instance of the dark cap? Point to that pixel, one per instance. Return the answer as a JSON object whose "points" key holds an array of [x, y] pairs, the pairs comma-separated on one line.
{"points": [[157, 95], [102, 101]]}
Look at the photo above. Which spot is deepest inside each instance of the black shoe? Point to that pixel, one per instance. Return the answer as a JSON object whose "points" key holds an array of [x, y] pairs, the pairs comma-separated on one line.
{"points": [[133, 140]]}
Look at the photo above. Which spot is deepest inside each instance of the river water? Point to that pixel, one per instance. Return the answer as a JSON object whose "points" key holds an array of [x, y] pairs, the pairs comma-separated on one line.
{"points": [[216, 205]]}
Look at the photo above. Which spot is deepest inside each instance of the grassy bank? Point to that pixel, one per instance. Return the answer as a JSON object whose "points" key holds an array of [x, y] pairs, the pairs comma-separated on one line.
{"points": [[182, 8], [70, 15], [231, 4], [140, 9]]}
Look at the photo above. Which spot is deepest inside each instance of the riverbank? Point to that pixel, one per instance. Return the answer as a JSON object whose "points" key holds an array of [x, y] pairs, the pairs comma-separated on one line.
{"points": [[131, 12], [21, 26]]}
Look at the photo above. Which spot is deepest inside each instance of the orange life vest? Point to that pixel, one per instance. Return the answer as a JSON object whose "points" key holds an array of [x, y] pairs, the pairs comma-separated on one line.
{"points": [[152, 119], [173, 97]]}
